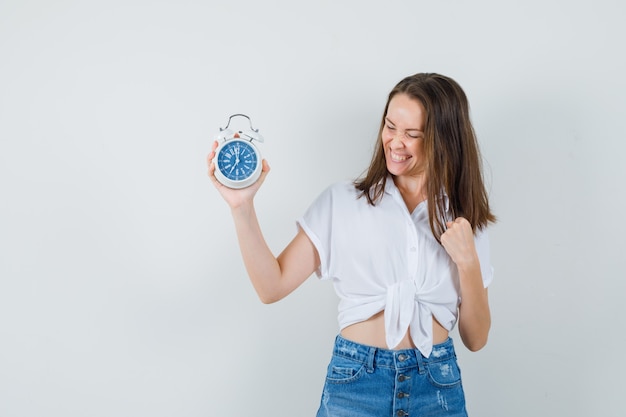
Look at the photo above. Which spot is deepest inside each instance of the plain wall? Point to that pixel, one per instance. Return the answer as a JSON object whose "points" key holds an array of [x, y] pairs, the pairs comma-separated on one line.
{"points": [[122, 291]]}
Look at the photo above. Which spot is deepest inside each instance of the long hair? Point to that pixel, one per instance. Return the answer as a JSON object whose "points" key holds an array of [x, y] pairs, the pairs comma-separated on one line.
{"points": [[453, 160]]}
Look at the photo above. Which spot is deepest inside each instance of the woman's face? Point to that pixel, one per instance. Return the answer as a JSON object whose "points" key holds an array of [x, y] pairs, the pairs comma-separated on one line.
{"points": [[403, 136]]}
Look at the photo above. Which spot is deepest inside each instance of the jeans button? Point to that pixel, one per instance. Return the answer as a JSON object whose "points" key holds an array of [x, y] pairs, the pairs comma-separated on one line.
{"points": [[402, 413], [402, 357]]}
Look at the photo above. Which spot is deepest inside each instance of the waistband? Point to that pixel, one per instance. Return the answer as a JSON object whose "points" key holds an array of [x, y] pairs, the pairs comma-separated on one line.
{"points": [[403, 358]]}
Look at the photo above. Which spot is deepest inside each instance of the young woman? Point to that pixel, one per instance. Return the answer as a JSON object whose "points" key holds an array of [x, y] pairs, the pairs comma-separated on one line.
{"points": [[407, 251]]}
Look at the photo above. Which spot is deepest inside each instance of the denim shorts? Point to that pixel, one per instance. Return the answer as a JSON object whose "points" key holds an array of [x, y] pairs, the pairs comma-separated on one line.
{"points": [[367, 381]]}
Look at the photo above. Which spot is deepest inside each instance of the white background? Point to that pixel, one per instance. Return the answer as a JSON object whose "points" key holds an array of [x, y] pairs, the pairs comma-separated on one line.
{"points": [[122, 292]]}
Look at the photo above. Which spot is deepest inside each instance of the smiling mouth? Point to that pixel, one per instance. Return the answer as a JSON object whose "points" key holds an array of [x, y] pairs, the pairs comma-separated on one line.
{"points": [[399, 158]]}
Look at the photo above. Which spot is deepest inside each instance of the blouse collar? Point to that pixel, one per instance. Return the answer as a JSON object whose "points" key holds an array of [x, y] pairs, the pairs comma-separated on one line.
{"points": [[392, 189]]}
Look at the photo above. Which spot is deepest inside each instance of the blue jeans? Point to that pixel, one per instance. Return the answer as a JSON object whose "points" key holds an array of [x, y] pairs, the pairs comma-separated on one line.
{"points": [[367, 381]]}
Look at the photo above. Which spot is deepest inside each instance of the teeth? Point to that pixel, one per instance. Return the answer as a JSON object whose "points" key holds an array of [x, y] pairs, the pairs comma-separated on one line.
{"points": [[399, 158]]}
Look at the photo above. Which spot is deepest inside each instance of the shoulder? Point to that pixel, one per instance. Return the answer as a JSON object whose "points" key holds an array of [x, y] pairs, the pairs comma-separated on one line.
{"points": [[337, 198], [339, 191]]}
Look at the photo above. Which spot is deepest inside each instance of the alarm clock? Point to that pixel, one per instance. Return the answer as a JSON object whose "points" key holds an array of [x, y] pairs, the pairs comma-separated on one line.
{"points": [[238, 162]]}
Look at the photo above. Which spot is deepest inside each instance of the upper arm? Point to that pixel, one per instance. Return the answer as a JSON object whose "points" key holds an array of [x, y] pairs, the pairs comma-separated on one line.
{"points": [[297, 261]]}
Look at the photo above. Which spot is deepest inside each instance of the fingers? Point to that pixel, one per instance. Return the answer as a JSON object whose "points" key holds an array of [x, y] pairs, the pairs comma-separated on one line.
{"points": [[460, 228], [209, 158], [211, 154], [458, 241], [210, 164], [265, 169], [458, 220], [212, 177]]}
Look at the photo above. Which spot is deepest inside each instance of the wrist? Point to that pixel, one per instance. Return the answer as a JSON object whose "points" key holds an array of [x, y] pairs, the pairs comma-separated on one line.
{"points": [[242, 208], [468, 266]]}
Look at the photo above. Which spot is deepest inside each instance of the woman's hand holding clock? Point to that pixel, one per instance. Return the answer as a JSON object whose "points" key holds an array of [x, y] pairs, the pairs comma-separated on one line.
{"points": [[235, 197]]}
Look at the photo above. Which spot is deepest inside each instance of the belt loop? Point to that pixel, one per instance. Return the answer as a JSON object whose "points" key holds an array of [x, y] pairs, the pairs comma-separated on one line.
{"points": [[421, 369], [370, 360]]}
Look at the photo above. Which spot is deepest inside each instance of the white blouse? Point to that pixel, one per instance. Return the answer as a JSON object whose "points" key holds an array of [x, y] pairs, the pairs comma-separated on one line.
{"points": [[384, 258]]}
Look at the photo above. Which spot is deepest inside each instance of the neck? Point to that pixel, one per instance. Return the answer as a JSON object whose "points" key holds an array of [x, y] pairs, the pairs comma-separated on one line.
{"points": [[412, 189]]}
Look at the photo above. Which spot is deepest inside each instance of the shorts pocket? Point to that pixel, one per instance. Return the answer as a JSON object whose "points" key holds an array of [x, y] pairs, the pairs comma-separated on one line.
{"points": [[342, 370], [445, 373]]}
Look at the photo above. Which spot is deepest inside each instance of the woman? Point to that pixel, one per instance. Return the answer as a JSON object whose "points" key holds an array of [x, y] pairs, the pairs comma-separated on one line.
{"points": [[406, 249]]}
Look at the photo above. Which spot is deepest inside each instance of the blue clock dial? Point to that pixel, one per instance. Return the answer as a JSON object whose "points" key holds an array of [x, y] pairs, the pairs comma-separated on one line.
{"points": [[237, 160]]}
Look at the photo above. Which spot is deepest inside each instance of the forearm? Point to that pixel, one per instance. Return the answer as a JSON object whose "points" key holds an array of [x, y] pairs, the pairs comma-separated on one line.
{"points": [[474, 314], [261, 264]]}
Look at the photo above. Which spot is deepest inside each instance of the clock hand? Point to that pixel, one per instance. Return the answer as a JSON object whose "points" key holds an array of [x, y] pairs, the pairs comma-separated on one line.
{"points": [[236, 160], [237, 150]]}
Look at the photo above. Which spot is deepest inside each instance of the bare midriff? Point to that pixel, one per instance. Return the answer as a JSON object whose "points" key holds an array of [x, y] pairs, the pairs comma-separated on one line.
{"points": [[371, 332]]}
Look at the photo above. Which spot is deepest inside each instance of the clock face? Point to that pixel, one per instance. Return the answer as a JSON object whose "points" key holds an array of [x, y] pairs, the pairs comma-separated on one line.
{"points": [[237, 160]]}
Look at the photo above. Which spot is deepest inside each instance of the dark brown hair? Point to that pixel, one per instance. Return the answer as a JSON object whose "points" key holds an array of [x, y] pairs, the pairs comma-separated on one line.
{"points": [[453, 161]]}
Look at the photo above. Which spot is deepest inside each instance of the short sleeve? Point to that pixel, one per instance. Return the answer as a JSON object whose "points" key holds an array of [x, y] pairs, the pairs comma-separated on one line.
{"points": [[317, 224], [481, 241]]}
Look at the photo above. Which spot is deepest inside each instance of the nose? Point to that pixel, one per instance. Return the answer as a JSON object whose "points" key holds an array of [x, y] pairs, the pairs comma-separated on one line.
{"points": [[396, 140]]}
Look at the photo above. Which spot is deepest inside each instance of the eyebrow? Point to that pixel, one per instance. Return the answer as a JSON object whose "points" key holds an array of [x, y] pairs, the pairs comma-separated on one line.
{"points": [[387, 119]]}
